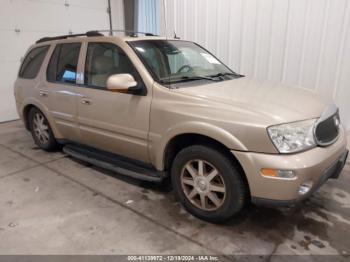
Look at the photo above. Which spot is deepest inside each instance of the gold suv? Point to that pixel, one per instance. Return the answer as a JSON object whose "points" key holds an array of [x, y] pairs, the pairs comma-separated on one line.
{"points": [[151, 107]]}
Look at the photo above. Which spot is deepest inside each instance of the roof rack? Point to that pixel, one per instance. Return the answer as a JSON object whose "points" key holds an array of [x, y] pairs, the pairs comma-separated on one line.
{"points": [[93, 33], [131, 32], [88, 34]]}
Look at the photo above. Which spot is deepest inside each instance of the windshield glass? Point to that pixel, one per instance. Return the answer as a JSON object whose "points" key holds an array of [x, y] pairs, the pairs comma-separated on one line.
{"points": [[175, 61]]}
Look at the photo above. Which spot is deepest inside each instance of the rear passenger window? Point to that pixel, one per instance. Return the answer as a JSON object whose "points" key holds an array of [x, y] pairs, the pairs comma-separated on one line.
{"points": [[63, 63], [32, 62]]}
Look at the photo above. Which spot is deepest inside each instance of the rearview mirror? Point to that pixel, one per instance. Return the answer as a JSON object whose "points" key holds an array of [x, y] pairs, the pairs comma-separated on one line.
{"points": [[121, 83]]}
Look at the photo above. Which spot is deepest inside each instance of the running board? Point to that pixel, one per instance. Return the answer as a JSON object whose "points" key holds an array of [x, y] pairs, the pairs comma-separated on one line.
{"points": [[114, 163]]}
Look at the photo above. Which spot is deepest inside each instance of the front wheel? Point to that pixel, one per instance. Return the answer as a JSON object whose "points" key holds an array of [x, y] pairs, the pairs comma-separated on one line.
{"points": [[208, 183], [41, 131]]}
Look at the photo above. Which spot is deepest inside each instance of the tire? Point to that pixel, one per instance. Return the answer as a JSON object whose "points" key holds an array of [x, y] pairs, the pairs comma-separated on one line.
{"points": [[41, 131], [218, 206]]}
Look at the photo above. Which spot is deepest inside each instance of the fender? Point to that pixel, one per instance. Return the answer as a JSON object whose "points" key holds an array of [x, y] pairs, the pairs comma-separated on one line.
{"points": [[158, 143]]}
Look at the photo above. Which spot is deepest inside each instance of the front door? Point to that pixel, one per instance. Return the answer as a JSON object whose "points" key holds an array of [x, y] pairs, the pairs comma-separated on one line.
{"points": [[111, 121]]}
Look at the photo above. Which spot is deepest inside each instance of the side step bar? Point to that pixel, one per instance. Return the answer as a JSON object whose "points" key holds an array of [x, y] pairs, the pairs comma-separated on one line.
{"points": [[114, 163]]}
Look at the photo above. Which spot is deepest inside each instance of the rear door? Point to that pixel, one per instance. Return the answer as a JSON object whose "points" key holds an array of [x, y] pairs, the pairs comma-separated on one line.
{"points": [[60, 88], [111, 121]]}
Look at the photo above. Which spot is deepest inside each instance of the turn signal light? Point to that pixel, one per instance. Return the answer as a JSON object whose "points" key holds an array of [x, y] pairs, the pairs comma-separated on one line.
{"points": [[276, 173]]}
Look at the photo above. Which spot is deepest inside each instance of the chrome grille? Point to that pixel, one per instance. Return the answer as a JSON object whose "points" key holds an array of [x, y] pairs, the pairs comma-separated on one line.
{"points": [[327, 126]]}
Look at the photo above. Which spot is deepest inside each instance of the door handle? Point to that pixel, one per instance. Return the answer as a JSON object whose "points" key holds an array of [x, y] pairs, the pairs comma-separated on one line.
{"points": [[86, 101], [43, 93]]}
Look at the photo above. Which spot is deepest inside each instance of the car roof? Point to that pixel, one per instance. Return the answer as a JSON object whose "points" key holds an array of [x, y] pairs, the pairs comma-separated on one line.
{"points": [[132, 38]]}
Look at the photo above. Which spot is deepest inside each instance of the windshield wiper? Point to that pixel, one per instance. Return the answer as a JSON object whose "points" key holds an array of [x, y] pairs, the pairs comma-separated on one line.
{"points": [[189, 78], [226, 74], [198, 78]]}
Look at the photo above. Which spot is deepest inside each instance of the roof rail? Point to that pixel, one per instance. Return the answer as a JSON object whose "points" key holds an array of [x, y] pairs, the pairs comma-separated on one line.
{"points": [[92, 33], [88, 34], [131, 32]]}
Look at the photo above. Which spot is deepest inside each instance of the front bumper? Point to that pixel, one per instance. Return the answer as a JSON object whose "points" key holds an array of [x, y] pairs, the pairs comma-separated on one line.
{"points": [[313, 167]]}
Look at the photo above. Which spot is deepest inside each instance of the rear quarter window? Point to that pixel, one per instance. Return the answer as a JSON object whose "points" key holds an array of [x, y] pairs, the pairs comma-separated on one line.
{"points": [[32, 62]]}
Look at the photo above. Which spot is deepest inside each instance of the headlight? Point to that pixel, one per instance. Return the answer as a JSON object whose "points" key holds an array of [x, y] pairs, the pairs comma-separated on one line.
{"points": [[293, 137]]}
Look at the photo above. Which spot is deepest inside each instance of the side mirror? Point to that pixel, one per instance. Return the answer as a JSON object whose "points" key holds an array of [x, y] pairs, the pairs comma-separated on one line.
{"points": [[121, 83]]}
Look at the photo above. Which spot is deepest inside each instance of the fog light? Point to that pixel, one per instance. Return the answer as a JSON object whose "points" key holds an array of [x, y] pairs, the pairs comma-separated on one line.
{"points": [[305, 187], [286, 174]]}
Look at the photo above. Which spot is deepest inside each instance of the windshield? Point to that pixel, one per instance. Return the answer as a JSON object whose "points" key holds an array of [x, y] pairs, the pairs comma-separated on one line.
{"points": [[175, 61]]}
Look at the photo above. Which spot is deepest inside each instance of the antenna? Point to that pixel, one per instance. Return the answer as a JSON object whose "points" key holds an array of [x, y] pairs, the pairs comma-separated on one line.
{"points": [[165, 20], [175, 36]]}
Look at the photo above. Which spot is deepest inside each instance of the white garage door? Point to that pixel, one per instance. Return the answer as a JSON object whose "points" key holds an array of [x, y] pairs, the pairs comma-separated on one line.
{"points": [[22, 22]]}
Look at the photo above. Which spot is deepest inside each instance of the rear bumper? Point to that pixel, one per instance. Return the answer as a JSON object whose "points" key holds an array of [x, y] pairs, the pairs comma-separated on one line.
{"points": [[313, 167]]}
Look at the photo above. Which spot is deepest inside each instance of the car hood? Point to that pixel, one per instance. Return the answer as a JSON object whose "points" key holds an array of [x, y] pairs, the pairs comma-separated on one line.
{"points": [[279, 103]]}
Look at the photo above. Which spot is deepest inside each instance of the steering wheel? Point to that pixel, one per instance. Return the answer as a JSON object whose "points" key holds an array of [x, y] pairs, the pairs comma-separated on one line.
{"points": [[189, 69]]}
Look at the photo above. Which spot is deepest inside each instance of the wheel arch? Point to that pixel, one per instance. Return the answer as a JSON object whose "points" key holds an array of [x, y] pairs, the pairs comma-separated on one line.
{"points": [[25, 114], [43, 109], [181, 141], [160, 143]]}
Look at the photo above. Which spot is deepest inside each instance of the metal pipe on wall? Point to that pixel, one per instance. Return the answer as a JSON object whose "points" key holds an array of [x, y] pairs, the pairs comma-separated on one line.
{"points": [[110, 17], [130, 17]]}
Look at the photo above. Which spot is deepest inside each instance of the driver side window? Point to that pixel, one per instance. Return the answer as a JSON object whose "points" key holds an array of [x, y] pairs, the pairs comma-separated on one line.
{"points": [[104, 60]]}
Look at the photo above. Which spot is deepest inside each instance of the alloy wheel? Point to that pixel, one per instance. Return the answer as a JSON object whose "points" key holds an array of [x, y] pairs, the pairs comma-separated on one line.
{"points": [[203, 185], [41, 128]]}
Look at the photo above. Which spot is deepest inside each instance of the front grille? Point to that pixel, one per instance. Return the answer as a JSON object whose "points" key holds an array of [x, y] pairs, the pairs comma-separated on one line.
{"points": [[327, 128]]}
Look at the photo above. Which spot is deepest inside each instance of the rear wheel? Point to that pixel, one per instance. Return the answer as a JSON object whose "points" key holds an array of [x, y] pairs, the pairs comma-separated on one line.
{"points": [[208, 183], [41, 131]]}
